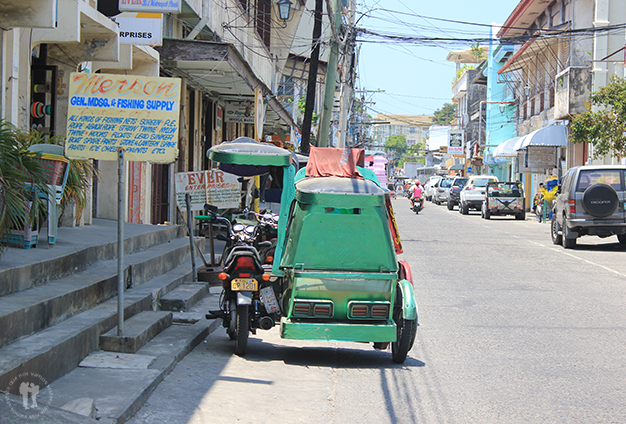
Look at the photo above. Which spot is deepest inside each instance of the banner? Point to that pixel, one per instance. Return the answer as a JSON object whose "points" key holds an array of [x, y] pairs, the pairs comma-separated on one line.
{"points": [[215, 187], [259, 114], [455, 142], [137, 113]]}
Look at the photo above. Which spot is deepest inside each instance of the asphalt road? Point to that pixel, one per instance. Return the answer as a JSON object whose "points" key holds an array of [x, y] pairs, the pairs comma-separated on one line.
{"points": [[512, 330]]}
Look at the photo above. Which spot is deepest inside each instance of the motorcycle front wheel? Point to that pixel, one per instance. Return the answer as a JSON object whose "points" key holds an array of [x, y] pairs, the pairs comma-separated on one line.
{"points": [[242, 329]]}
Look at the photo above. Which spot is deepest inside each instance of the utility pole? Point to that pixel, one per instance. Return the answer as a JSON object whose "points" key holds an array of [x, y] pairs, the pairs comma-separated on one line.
{"points": [[331, 73], [347, 78], [310, 90]]}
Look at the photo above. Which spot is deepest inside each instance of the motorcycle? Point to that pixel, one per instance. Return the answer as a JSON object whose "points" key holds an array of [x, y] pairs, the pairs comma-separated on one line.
{"points": [[417, 206], [248, 300]]}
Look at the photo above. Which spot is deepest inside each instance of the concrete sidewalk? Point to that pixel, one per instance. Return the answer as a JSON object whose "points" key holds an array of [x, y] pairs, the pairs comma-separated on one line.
{"points": [[106, 387]]}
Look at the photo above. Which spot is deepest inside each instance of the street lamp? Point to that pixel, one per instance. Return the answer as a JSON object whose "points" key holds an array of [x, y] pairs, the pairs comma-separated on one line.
{"points": [[526, 90], [284, 9]]}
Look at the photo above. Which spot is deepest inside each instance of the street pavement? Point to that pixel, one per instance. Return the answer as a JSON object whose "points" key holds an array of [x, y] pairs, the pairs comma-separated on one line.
{"points": [[512, 330]]}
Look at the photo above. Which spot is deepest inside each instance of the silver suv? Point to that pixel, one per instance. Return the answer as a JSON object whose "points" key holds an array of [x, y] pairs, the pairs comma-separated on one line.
{"points": [[590, 202]]}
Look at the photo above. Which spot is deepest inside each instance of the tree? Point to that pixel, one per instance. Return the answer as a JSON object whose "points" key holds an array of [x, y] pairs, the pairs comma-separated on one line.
{"points": [[445, 115], [397, 144], [605, 129]]}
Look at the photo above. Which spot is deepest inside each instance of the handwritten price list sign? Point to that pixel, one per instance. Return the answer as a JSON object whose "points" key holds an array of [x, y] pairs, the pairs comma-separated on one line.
{"points": [[107, 112]]}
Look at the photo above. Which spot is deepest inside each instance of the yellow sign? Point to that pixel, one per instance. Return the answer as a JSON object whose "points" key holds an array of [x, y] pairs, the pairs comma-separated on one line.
{"points": [[136, 113]]}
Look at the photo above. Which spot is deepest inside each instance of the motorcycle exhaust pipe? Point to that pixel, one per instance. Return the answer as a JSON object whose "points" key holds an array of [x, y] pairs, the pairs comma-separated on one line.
{"points": [[266, 323]]}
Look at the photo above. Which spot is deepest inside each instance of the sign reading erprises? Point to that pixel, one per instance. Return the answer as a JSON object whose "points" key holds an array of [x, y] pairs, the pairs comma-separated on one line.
{"points": [[140, 28]]}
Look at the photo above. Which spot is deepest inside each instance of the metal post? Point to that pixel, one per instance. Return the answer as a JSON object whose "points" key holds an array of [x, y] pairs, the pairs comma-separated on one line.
{"points": [[120, 242], [543, 212], [190, 232]]}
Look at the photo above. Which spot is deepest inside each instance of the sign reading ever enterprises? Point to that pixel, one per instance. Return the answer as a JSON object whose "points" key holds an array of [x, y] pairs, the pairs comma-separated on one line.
{"points": [[107, 112]]}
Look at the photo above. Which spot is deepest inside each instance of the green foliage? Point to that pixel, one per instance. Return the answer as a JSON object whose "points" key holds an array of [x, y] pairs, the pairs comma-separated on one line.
{"points": [[20, 179], [445, 115], [396, 144], [302, 107], [605, 128]]}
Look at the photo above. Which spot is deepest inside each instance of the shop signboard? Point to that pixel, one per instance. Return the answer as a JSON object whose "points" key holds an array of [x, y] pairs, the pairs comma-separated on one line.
{"points": [[155, 6], [215, 187], [240, 112], [140, 28], [540, 157], [137, 113], [259, 113], [455, 142]]}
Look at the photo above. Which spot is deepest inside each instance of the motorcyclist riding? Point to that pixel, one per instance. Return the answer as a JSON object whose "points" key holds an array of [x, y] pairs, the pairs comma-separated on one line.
{"points": [[417, 194]]}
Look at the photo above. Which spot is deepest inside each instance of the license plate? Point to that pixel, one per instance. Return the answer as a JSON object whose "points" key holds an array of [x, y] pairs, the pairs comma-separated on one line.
{"points": [[244, 284], [268, 298]]}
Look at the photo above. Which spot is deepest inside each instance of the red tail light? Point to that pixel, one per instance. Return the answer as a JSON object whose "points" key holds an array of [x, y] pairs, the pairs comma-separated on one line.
{"points": [[572, 206], [244, 262]]}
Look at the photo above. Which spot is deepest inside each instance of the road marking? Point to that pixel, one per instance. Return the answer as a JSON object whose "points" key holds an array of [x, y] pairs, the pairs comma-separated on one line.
{"points": [[556, 249]]}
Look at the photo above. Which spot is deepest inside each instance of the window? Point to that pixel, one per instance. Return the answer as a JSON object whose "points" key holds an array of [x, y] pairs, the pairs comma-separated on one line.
{"points": [[264, 20], [285, 87]]}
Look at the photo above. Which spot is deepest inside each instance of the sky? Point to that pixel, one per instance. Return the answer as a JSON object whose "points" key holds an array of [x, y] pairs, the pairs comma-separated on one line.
{"points": [[415, 77]]}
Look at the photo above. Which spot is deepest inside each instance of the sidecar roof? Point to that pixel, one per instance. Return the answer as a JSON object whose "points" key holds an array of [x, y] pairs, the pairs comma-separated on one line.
{"points": [[246, 151]]}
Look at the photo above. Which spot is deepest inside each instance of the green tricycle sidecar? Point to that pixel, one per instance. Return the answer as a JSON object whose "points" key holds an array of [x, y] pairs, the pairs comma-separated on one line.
{"points": [[341, 278]]}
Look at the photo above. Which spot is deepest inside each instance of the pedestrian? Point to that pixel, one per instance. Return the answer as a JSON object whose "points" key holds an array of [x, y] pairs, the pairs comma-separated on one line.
{"points": [[538, 202]]}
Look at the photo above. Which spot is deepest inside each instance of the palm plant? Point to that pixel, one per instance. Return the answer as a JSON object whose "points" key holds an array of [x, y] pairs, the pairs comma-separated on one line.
{"points": [[79, 176], [21, 178]]}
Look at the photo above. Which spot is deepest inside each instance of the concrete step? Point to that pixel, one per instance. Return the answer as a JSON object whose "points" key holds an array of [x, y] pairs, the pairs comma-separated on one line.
{"points": [[76, 251], [55, 351], [138, 331], [37, 308], [125, 381], [183, 297]]}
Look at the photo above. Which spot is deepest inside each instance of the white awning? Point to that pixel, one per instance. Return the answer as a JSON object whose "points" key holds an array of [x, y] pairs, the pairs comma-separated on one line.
{"points": [[552, 136], [506, 149]]}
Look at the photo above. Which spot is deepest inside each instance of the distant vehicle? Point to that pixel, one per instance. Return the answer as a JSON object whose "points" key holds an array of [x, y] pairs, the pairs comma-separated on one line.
{"points": [[455, 191], [473, 193], [429, 187], [504, 198], [590, 202], [441, 190]]}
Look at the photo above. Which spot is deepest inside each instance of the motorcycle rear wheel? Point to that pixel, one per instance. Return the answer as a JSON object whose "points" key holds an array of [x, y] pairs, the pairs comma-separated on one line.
{"points": [[242, 330]]}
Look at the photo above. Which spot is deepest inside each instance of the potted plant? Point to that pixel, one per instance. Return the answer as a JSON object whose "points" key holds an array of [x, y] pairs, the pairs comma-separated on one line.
{"points": [[80, 175], [21, 178]]}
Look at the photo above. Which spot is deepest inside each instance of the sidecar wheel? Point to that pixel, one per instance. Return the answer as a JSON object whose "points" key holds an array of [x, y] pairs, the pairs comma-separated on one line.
{"points": [[406, 330], [243, 325]]}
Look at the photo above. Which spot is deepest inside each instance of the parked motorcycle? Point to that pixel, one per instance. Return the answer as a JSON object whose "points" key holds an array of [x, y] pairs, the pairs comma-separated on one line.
{"points": [[248, 300]]}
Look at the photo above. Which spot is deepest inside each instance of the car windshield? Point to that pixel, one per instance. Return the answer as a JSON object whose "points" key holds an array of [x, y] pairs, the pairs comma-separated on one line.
{"points": [[481, 182], [587, 178], [460, 182], [445, 183], [505, 190]]}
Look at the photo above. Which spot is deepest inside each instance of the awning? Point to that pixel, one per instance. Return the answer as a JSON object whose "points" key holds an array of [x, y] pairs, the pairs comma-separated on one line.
{"points": [[457, 167], [552, 136], [506, 149], [528, 53], [219, 70]]}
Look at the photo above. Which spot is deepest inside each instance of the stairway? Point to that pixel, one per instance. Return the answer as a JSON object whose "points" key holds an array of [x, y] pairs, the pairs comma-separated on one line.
{"points": [[56, 311]]}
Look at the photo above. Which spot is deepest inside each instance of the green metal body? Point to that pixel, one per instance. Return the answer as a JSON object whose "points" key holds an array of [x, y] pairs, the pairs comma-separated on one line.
{"points": [[339, 258]]}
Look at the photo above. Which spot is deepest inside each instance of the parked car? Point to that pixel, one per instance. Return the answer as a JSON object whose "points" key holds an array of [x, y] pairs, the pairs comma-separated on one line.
{"points": [[455, 191], [473, 192], [429, 187], [590, 202], [503, 198], [441, 190]]}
